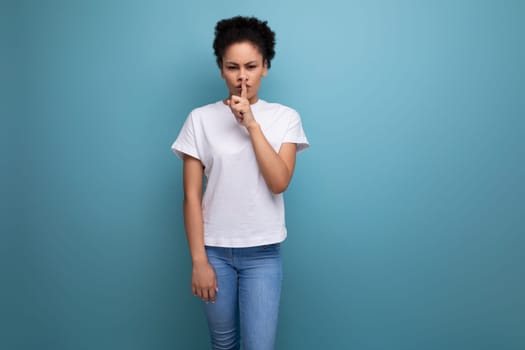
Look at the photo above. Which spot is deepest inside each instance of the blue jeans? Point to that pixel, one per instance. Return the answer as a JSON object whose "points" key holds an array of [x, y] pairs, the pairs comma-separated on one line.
{"points": [[247, 303]]}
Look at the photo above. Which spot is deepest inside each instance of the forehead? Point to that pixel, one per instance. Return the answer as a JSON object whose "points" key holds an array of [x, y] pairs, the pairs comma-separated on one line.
{"points": [[242, 52]]}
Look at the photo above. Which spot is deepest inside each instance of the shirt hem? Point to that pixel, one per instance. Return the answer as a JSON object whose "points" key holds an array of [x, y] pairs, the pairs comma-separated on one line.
{"points": [[224, 243]]}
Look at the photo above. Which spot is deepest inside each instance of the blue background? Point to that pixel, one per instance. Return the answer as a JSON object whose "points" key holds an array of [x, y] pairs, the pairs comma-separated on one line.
{"points": [[405, 217]]}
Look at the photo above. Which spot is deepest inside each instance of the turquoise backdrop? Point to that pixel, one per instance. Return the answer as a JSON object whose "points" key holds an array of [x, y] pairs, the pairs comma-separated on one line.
{"points": [[405, 217]]}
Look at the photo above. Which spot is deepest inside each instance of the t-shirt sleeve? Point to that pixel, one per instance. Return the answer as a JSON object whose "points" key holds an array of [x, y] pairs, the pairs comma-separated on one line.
{"points": [[186, 142], [295, 133]]}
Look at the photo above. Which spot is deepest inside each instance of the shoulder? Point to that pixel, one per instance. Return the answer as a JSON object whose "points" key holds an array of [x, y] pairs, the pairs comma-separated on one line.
{"points": [[281, 110], [207, 110]]}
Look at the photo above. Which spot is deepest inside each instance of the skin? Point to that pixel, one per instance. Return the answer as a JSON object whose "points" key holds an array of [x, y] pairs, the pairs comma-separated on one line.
{"points": [[243, 68]]}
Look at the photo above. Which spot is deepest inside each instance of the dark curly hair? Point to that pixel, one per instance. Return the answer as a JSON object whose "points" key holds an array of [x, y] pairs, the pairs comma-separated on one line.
{"points": [[240, 29]]}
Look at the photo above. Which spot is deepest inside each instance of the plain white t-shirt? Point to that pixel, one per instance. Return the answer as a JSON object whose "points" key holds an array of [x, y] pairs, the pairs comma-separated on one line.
{"points": [[238, 208]]}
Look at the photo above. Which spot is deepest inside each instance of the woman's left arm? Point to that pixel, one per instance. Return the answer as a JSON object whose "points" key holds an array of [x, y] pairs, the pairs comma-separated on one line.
{"points": [[276, 168]]}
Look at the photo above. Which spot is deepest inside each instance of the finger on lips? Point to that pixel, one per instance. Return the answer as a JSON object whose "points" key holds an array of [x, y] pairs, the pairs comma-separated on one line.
{"points": [[244, 92]]}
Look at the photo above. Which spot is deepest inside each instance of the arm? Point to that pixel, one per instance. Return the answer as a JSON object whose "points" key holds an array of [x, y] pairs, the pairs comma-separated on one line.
{"points": [[203, 280], [276, 168]]}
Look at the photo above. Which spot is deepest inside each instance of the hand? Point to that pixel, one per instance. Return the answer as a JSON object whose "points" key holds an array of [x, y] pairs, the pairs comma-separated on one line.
{"points": [[204, 282], [240, 107]]}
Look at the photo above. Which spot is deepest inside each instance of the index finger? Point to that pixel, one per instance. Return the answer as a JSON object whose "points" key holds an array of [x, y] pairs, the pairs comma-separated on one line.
{"points": [[244, 93]]}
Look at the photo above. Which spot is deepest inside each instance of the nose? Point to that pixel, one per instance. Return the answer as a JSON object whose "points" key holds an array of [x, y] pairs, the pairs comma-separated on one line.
{"points": [[242, 76]]}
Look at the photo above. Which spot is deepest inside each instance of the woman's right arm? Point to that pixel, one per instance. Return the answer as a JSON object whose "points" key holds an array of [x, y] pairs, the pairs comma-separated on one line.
{"points": [[203, 279]]}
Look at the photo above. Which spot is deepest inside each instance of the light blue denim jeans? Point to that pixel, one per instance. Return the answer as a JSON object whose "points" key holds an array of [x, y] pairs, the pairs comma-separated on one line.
{"points": [[247, 303]]}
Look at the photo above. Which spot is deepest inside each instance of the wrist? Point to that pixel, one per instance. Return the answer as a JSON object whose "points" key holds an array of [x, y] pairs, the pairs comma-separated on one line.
{"points": [[199, 260], [253, 125]]}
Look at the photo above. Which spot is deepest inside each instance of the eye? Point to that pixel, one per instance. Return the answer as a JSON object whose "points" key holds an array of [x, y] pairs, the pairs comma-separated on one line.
{"points": [[231, 68], [252, 67]]}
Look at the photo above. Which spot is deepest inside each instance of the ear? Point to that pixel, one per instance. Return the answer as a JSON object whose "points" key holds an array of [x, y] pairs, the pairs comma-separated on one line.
{"points": [[221, 69], [265, 68]]}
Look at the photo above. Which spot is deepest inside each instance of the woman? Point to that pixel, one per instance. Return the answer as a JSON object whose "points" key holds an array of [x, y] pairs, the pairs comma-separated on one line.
{"points": [[246, 148]]}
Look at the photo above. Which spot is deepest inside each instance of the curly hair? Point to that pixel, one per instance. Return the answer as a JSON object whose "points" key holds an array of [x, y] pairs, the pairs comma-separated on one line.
{"points": [[240, 29]]}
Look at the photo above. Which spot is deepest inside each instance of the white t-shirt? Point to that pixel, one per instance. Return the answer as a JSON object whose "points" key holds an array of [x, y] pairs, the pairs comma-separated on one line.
{"points": [[238, 208]]}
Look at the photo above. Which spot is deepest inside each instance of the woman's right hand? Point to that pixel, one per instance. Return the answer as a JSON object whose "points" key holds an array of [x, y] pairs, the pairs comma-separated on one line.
{"points": [[204, 281]]}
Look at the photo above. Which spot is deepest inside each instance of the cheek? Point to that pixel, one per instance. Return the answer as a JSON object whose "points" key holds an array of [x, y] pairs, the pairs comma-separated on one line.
{"points": [[229, 80], [227, 76]]}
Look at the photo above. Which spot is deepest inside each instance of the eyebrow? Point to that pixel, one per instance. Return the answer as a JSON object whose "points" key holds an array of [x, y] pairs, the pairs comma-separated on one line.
{"points": [[236, 64]]}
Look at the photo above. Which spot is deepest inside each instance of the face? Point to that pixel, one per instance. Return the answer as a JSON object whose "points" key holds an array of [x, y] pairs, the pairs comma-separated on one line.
{"points": [[243, 62]]}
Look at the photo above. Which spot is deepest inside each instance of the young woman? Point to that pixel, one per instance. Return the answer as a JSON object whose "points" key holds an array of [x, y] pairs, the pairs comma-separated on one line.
{"points": [[246, 148]]}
